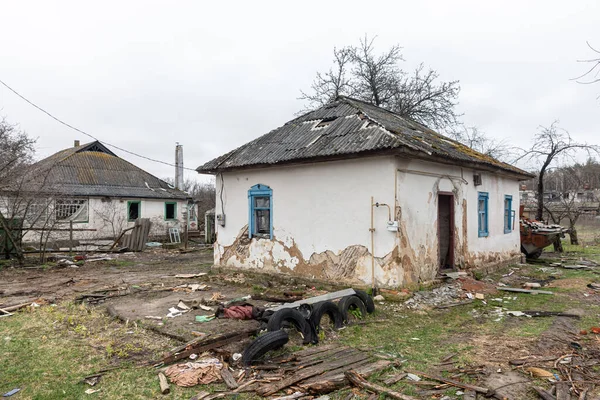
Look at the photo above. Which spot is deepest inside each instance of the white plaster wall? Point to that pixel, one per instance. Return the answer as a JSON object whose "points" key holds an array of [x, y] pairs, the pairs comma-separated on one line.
{"points": [[317, 207], [417, 198], [115, 212], [326, 207]]}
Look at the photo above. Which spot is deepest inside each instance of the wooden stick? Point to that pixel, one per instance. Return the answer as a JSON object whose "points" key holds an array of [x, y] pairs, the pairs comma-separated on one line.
{"points": [[359, 381], [15, 308], [229, 379], [164, 385], [544, 394], [452, 382]]}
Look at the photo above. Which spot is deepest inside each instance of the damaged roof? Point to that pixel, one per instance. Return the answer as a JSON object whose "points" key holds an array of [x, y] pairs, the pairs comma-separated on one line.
{"points": [[93, 170], [349, 128]]}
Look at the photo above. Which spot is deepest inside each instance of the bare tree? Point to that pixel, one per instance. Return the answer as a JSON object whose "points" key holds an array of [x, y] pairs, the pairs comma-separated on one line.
{"points": [[327, 86], [16, 152], [362, 72], [550, 145], [476, 139], [592, 75]]}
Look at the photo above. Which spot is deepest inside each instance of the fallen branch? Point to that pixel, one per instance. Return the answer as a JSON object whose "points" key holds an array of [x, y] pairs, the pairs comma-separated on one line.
{"points": [[543, 394], [452, 382], [359, 381]]}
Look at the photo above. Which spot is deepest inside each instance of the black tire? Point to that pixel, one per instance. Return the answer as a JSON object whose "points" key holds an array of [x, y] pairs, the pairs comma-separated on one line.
{"points": [[290, 315], [329, 308], [368, 300], [262, 345], [350, 303]]}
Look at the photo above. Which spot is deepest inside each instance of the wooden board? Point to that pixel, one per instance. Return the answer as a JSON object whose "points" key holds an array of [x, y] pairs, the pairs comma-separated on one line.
{"points": [[345, 358]]}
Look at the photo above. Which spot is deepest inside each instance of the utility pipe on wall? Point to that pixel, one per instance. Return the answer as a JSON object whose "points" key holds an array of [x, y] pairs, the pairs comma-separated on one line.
{"points": [[372, 230]]}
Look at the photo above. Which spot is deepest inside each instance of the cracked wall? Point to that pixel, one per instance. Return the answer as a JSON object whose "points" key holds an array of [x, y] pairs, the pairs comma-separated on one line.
{"points": [[321, 220]]}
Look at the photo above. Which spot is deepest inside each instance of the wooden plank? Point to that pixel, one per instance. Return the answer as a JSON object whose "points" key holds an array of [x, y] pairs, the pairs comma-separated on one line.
{"points": [[336, 373], [315, 350], [510, 289], [306, 373], [228, 378], [203, 344], [394, 379], [359, 381]]}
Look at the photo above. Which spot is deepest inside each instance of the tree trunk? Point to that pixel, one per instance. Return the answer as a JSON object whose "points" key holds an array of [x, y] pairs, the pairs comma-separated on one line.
{"points": [[573, 235], [540, 197], [558, 247]]}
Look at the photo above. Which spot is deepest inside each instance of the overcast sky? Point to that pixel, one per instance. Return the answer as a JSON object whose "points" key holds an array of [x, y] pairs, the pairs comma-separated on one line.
{"points": [[214, 75]]}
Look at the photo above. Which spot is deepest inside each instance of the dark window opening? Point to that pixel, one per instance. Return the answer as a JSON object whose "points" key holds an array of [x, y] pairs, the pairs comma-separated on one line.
{"points": [[170, 210], [133, 211]]}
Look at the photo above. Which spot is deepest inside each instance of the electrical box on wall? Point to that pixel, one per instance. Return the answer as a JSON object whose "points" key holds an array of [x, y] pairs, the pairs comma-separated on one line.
{"points": [[392, 226], [221, 219]]}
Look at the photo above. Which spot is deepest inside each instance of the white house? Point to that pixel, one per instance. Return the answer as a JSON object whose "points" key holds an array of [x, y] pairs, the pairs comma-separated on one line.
{"points": [[98, 192], [352, 192]]}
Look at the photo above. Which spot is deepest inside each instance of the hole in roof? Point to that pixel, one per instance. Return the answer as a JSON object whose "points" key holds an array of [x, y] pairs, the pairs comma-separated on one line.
{"points": [[325, 122]]}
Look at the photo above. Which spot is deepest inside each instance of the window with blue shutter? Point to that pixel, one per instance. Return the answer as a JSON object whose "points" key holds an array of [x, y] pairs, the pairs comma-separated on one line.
{"points": [[482, 214], [260, 220]]}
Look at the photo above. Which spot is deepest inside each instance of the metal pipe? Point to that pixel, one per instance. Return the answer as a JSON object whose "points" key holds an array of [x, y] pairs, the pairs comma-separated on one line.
{"points": [[372, 230], [388, 207]]}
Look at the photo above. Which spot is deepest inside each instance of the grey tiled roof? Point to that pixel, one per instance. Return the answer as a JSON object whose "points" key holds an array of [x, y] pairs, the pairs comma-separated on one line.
{"points": [[353, 128], [93, 170]]}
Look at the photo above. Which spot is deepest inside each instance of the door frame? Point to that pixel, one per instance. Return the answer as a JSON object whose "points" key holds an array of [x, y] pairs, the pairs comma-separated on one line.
{"points": [[452, 225]]}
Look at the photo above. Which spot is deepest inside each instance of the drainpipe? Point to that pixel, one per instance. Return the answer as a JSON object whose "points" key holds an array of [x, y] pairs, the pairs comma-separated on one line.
{"points": [[372, 230]]}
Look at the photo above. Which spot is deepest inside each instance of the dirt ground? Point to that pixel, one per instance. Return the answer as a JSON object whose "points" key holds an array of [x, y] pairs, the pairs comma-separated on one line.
{"points": [[143, 284], [137, 285]]}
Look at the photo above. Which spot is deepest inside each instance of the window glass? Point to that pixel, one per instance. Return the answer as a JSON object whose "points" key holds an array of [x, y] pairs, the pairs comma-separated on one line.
{"points": [[262, 202], [263, 221], [482, 213], [261, 211]]}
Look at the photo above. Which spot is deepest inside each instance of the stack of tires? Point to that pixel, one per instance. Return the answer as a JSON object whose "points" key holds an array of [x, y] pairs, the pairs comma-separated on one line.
{"points": [[306, 319]]}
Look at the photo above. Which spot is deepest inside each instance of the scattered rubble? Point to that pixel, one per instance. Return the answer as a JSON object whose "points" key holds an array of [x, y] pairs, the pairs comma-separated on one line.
{"points": [[446, 294]]}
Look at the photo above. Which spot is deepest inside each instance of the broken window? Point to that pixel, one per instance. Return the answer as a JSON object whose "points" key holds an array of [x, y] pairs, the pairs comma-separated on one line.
{"points": [[508, 212], [261, 217], [134, 210], [482, 211], [75, 210], [170, 210]]}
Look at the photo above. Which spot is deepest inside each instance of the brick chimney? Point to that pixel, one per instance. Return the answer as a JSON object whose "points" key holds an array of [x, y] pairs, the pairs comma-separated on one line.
{"points": [[76, 143]]}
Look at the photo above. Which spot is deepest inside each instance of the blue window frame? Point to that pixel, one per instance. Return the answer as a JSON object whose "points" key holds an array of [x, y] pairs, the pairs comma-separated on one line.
{"points": [[260, 220], [508, 214], [482, 214]]}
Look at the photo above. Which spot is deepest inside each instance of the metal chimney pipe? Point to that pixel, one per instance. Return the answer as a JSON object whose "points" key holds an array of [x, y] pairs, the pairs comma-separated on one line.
{"points": [[179, 166]]}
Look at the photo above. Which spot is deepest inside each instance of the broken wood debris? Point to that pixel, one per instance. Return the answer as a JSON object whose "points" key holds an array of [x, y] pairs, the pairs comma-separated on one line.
{"points": [[164, 385], [519, 290], [453, 382], [203, 344], [358, 380]]}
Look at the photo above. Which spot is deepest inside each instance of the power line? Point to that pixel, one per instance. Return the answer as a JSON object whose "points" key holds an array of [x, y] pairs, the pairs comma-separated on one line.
{"points": [[87, 134]]}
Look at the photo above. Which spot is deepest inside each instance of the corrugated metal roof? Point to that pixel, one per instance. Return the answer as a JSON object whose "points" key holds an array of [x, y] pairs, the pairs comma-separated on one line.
{"points": [[93, 170], [355, 127]]}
